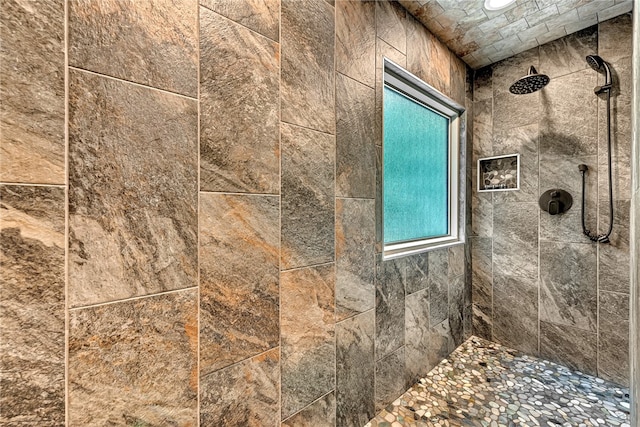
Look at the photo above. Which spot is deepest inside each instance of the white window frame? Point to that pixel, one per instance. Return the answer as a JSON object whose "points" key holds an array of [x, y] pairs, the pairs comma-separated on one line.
{"points": [[401, 80]]}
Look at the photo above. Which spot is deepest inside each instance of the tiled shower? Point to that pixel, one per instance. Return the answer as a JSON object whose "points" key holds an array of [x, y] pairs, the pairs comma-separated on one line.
{"points": [[189, 196]]}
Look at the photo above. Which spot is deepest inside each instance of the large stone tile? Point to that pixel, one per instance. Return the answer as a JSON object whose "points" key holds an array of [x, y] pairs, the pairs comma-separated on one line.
{"points": [[481, 210], [244, 394], [615, 38], [262, 16], [384, 50], [135, 362], [569, 284], [456, 261], [356, 40], [613, 351], [483, 84], [390, 278], [438, 286], [355, 139], [562, 172], [32, 112], [569, 106], [155, 44], [574, 348], [614, 258], [32, 308], [307, 85], [308, 202], [391, 380], [440, 343], [307, 308], [355, 257], [416, 272], [321, 413], [482, 143], [482, 286], [567, 54], [239, 277], [457, 303], [355, 370], [458, 81], [417, 335], [133, 173], [239, 103], [523, 141], [390, 24], [515, 312], [427, 57], [513, 111], [515, 243]]}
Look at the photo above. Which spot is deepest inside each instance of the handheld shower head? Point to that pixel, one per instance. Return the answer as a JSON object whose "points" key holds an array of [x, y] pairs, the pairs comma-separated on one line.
{"points": [[600, 65]]}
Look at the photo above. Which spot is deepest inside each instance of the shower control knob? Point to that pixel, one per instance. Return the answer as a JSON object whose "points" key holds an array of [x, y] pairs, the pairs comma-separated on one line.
{"points": [[555, 201]]}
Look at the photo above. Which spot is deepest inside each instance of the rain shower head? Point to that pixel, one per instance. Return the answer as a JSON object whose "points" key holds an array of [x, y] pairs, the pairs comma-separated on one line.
{"points": [[600, 65], [530, 83]]}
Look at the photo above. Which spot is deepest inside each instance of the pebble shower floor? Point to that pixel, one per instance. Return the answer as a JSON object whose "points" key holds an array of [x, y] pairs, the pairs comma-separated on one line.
{"points": [[487, 384]]}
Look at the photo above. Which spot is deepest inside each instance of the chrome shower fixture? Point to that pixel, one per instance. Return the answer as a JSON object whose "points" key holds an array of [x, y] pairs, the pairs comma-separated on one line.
{"points": [[530, 83]]}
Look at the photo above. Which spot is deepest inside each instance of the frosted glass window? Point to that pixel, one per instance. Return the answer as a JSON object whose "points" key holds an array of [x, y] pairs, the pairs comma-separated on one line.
{"points": [[416, 176], [421, 164]]}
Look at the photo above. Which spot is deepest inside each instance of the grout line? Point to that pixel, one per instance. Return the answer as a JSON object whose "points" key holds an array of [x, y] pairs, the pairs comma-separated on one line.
{"points": [[66, 214], [239, 362], [228, 193], [352, 79], [335, 210], [306, 127], [173, 291], [304, 267], [25, 184], [309, 405], [279, 405], [241, 24], [107, 76], [198, 213]]}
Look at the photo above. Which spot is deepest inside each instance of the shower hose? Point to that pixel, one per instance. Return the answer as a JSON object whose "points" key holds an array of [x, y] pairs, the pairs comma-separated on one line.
{"points": [[601, 238]]}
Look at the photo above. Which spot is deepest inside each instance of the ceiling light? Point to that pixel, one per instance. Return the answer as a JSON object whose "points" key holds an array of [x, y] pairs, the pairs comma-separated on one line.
{"points": [[497, 4]]}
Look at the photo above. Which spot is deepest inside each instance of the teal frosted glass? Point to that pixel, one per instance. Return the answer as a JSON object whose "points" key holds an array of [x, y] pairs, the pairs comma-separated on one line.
{"points": [[416, 141]]}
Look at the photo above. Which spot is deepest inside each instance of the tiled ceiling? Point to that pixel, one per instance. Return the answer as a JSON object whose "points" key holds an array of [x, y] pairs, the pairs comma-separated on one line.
{"points": [[481, 37]]}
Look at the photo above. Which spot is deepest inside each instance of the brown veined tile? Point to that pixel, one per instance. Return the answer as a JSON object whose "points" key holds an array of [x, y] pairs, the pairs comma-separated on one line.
{"points": [[32, 319], [151, 43], [308, 203], [132, 190], [262, 16], [135, 362], [239, 277], [356, 40], [355, 369], [32, 87], [355, 256], [244, 394], [355, 139], [321, 413], [239, 101], [458, 76], [390, 24], [308, 336], [384, 50], [307, 88], [427, 57]]}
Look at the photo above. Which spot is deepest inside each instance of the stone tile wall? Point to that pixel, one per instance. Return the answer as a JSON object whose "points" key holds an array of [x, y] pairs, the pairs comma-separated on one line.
{"points": [[538, 284], [635, 226], [189, 194]]}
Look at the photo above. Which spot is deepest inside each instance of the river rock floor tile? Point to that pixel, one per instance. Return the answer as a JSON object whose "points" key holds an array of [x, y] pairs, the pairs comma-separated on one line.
{"points": [[486, 384]]}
